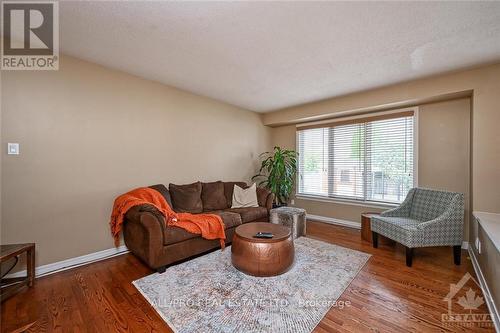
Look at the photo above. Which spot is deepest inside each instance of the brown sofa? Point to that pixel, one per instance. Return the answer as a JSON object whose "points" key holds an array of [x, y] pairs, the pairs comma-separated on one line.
{"points": [[147, 236]]}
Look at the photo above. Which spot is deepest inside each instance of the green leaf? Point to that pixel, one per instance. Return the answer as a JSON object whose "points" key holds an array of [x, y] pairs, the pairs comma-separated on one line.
{"points": [[278, 168]]}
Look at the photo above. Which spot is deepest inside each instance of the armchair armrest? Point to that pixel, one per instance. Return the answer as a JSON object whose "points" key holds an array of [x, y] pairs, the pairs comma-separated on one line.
{"points": [[402, 210], [434, 222], [446, 229]]}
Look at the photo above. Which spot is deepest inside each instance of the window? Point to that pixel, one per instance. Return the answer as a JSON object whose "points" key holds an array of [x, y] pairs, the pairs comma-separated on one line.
{"points": [[365, 159], [345, 175]]}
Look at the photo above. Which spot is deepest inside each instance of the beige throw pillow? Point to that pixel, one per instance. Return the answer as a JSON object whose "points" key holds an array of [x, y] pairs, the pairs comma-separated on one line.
{"points": [[243, 198]]}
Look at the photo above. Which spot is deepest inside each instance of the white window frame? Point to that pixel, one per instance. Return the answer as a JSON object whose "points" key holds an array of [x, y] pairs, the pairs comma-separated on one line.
{"points": [[357, 202]]}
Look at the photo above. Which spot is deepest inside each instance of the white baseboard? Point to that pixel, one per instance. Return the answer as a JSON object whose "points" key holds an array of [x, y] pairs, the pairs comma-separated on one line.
{"points": [[486, 291], [63, 265], [331, 220]]}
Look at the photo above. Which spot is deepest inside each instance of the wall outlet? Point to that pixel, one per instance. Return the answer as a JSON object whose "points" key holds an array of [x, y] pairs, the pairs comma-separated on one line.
{"points": [[13, 148], [292, 202]]}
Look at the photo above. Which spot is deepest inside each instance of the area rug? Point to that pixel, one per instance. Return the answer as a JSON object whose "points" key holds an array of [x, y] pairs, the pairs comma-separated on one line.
{"points": [[208, 294]]}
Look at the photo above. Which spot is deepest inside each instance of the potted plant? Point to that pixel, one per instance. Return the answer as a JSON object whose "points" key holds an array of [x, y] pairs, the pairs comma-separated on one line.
{"points": [[278, 170]]}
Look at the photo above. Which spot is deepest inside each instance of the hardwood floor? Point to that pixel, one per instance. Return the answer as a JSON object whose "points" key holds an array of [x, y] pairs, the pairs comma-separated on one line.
{"points": [[386, 296]]}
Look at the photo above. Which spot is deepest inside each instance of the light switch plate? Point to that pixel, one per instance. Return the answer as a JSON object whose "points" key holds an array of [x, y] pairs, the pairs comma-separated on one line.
{"points": [[13, 148]]}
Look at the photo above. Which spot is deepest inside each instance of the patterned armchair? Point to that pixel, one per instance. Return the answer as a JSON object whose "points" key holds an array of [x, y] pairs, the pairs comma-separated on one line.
{"points": [[425, 218]]}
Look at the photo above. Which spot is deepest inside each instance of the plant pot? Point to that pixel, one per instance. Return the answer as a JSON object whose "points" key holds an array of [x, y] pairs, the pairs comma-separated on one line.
{"points": [[279, 205]]}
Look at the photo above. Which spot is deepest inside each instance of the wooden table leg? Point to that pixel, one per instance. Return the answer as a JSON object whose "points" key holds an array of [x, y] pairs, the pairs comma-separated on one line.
{"points": [[30, 254]]}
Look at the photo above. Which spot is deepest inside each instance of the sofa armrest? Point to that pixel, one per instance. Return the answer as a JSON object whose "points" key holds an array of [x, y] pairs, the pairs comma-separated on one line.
{"points": [[402, 210], [265, 198], [269, 202], [143, 232]]}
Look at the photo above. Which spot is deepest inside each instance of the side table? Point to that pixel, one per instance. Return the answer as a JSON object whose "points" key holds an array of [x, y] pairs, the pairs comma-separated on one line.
{"points": [[292, 217], [366, 230], [10, 286]]}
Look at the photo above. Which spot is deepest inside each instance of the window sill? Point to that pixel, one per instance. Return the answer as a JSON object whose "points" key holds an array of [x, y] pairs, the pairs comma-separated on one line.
{"points": [[368, 204]]}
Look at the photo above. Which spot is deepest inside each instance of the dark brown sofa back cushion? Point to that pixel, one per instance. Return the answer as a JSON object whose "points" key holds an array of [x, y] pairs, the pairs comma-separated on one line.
{"points": [[164, 192], [186, 198], [212, 195], [228, 191]]}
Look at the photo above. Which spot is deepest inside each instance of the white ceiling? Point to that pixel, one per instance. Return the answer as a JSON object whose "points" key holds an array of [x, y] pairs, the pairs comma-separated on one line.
{"points": [[268, 55]]}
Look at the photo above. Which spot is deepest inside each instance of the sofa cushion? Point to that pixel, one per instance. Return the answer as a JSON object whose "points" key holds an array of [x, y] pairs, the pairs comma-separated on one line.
{"points": [[186, 198], [212, 195], [228, 191], [230, 219], [243, 198], [164, 192], [172, 235], [251, 214]]}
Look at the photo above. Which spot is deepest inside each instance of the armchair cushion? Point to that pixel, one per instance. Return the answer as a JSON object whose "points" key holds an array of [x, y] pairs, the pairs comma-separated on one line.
{"points": [[403, 229], [429, 204]]}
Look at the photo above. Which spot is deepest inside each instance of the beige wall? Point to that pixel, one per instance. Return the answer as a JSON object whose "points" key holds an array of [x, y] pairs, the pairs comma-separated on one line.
{"points": [[443, 156], [88, 133], [444, 148], [483, 82]]}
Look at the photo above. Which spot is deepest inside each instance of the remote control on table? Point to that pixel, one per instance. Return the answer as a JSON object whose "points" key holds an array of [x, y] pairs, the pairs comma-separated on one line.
{"points": [[261, 234]]}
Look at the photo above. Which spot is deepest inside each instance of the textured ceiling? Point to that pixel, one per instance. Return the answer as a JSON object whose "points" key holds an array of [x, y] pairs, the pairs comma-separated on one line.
{"points": [[268, 55]]}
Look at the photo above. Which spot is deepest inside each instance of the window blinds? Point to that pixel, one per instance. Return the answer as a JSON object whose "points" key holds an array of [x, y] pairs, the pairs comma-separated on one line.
{"points": [[366, 159]]}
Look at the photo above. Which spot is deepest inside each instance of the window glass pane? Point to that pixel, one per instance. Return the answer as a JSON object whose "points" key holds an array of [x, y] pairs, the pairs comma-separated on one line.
{"points": [[346, 161], [370, 161], [313, 161], [389, 149]]}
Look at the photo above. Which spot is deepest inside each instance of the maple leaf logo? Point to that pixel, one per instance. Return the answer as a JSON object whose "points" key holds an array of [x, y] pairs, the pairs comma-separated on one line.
{"points": [[470, 301]]}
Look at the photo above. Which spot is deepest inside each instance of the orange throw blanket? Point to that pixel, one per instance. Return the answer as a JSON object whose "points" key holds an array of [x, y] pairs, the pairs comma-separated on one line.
{"points": [[210, 226]]}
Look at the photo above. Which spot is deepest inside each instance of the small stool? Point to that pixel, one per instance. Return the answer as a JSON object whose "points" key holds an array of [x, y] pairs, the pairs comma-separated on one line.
{"points": [[293, 217]]}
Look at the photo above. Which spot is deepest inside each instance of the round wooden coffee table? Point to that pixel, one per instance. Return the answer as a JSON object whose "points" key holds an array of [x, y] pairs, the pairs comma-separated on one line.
{"points": [[262, 257]]}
